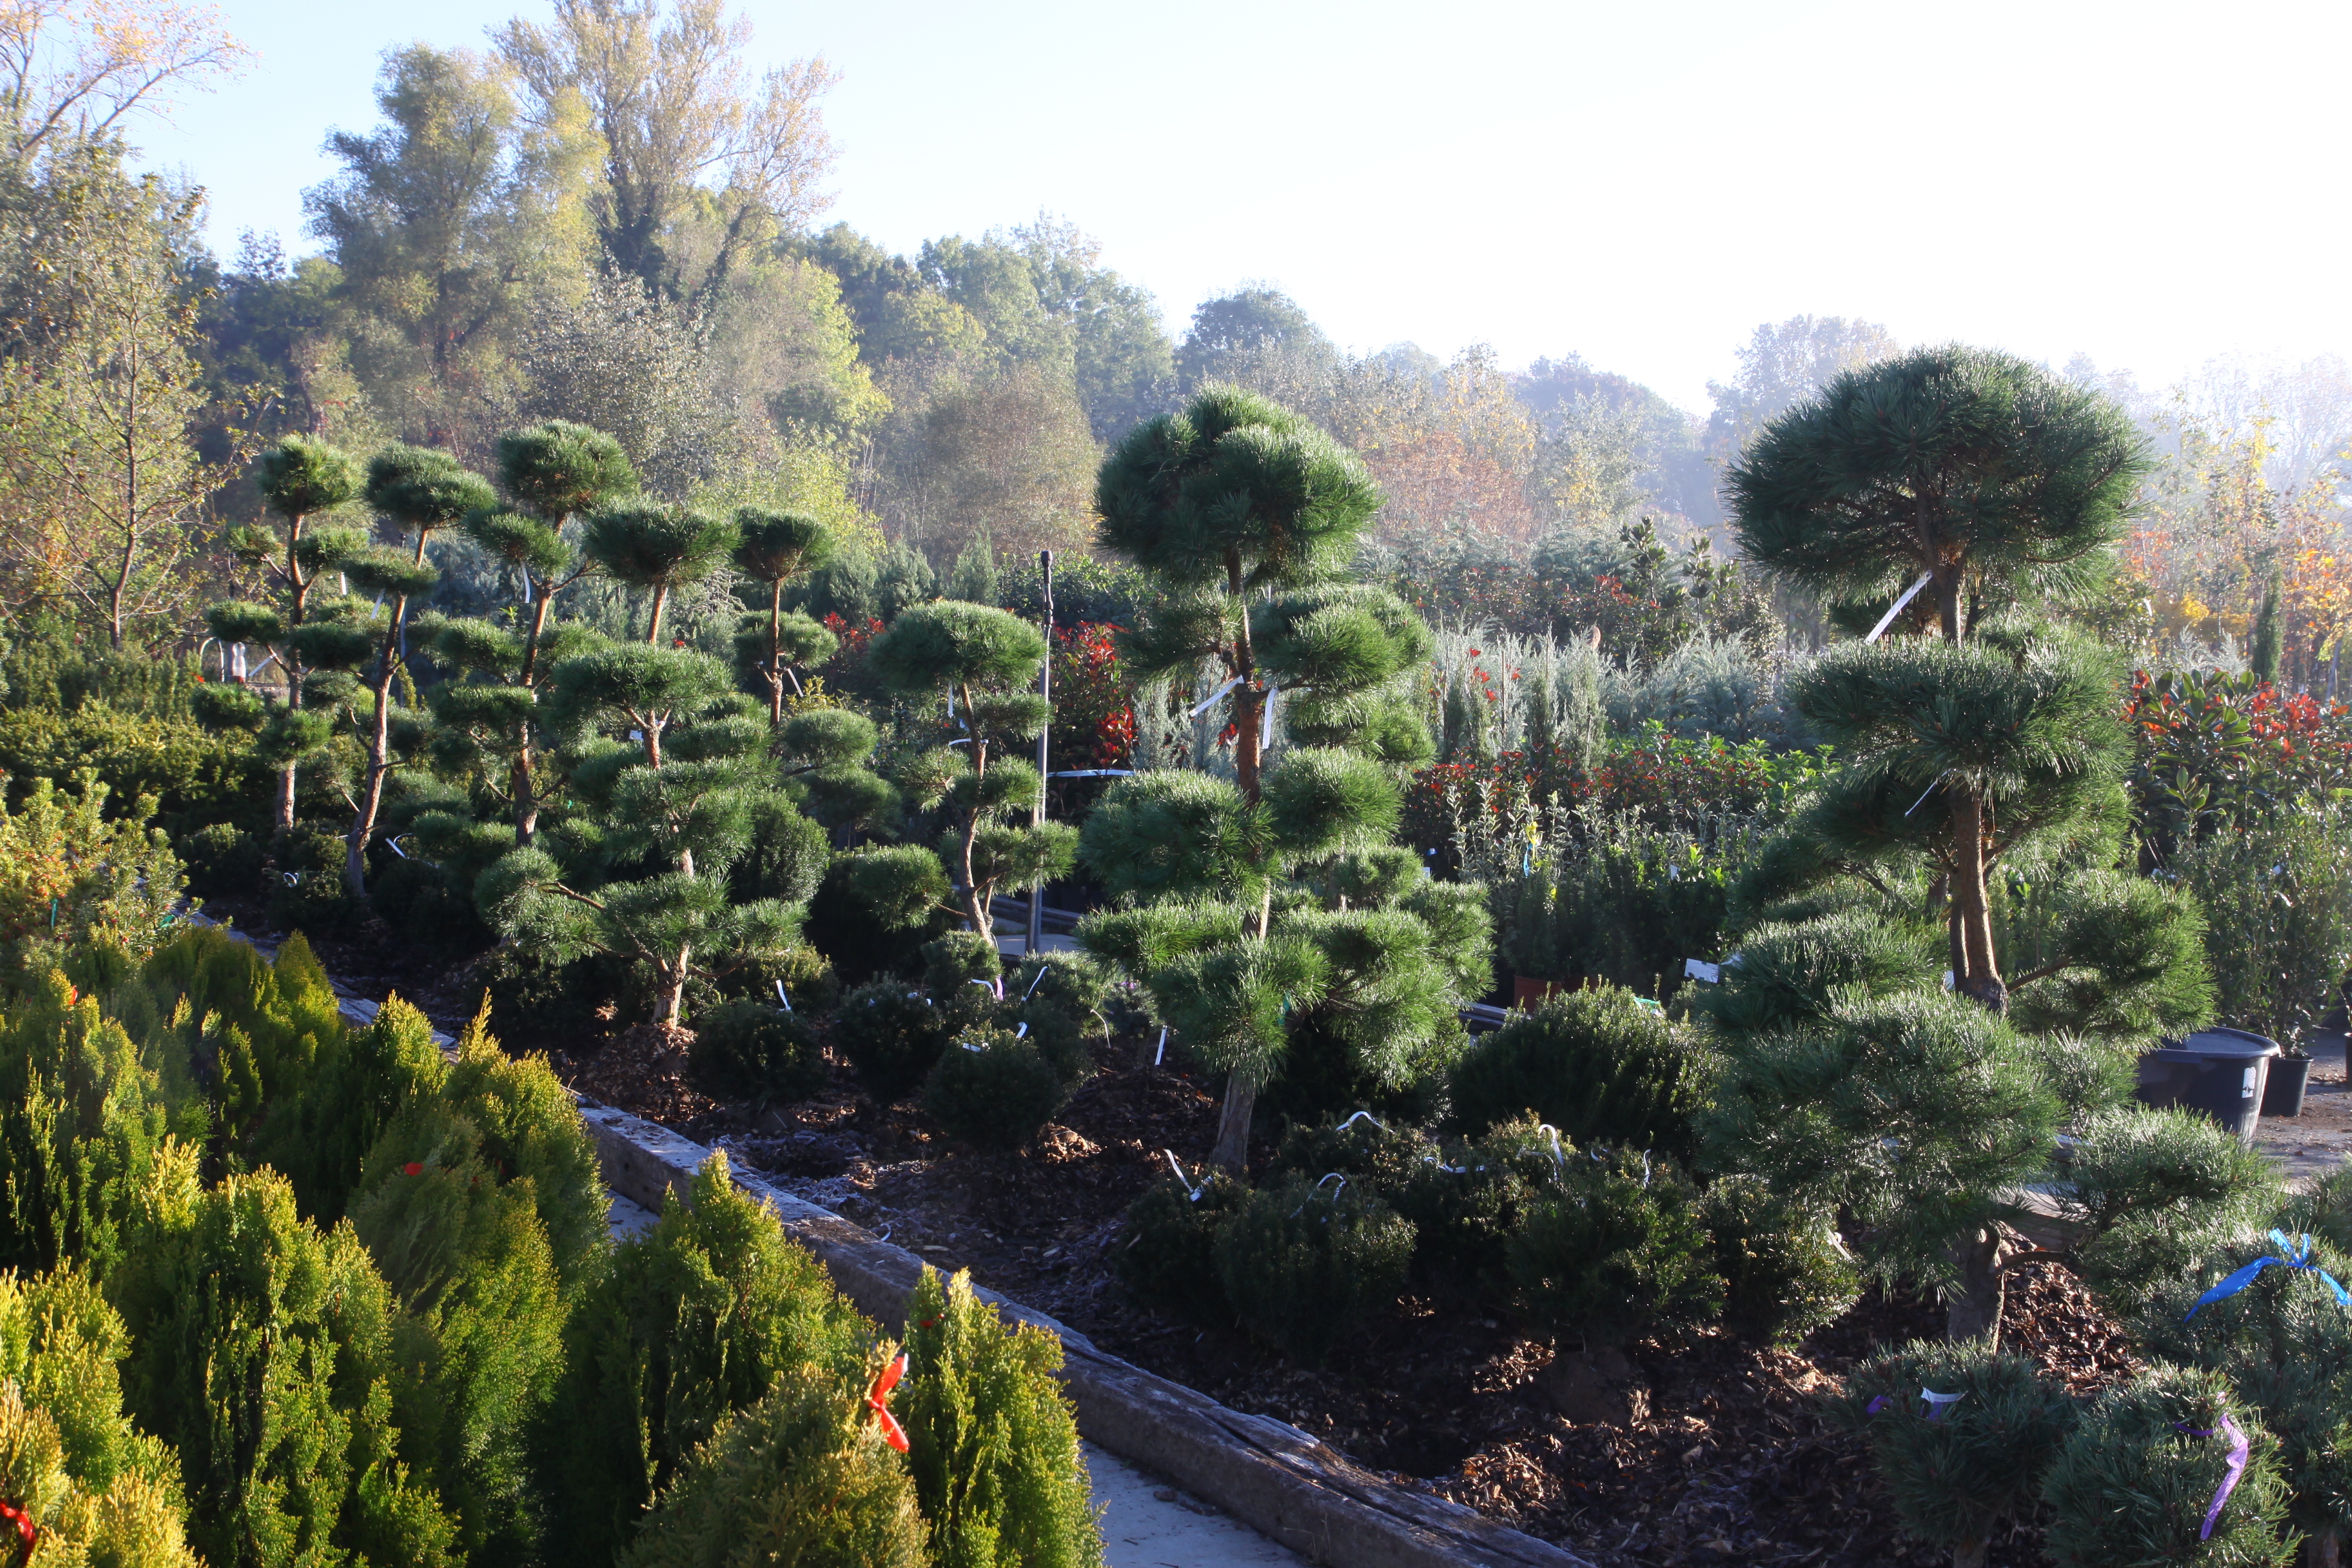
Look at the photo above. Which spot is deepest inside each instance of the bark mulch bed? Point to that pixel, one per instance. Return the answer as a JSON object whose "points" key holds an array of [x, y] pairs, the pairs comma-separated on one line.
{"points": [[1727, 1461]]}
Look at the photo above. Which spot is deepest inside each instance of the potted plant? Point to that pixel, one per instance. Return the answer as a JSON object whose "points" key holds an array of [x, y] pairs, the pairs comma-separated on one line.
{"points": [[2290, 1070]]}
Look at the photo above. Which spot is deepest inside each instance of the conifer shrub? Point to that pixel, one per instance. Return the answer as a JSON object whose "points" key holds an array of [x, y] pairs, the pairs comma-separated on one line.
{"points": [[806, 976], [755, 1052], [956, 959], [1467, 1198], [991, 1439], [1166, 1252], [892, 1036], [801, 1477], [478, 1344], [993, 1089], [539, 1001], [1381, 1156], [2286, 1345], [1619, 1253], [134, 1522], [60, 1344], [694, 1321], [310, 894], [1953, 1469], [364, 1080], [875, 908], [1059, 1038], [426, 906], [1784, 1273], [261, 1351], [1303, 1262], [2135, 1480], [530, 1132], [82, 1112], [1596, 1063], [222, 861]]}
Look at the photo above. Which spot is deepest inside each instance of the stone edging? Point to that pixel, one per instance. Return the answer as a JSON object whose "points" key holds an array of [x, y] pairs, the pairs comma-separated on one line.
{"points": [[1281, 1481]]}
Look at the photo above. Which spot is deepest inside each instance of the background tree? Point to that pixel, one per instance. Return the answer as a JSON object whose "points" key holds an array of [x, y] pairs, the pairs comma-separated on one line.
{"points": [[68, 73]]}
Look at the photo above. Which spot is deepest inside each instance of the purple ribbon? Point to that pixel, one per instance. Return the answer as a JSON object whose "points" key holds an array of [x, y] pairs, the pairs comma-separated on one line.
{"points": [[2239, 1452]]}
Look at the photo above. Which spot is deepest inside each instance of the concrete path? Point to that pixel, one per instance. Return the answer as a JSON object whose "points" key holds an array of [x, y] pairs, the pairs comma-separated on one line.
{"points": [[1147, 1524]]}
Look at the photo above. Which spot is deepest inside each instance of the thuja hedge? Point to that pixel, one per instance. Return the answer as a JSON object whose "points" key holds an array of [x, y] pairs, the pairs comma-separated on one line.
{"points": [[287, 1290]]}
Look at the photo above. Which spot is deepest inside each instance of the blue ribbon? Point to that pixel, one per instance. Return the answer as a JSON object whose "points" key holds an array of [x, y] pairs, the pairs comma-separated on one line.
{"points": [[2296, 1258]]}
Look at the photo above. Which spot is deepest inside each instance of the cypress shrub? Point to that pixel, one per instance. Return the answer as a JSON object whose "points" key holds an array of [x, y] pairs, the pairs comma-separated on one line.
{"points": [[1596, 1063], [251, 1030], [892, 1038], [133, 1523], [1303, 1263], [2132, 1487], [993, 1089], [60, 1344], [1953, 1470], [531, 1130], [364, 1078], [261, 1350], [694, 1321], [991, 1439], [1167, 1252], [479, 1344], [82, 1112], [801, 1477], [755, 1051], [1784, 1274], [1619, 1253]]}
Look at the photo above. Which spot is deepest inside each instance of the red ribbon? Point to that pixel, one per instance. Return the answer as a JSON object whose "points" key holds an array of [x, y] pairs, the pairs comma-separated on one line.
{"points": [[26, 1530], [877, 1400], [411, 1169]]}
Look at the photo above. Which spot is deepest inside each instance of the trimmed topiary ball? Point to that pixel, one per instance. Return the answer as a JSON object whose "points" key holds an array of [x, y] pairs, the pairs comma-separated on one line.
{"points": [[1618, 1255], [1166, 1252], [1784, 1273], [222, 861], [892, 1036], [1597, 1065], [1303, 1263], [757, 1052], [993, 1089]]}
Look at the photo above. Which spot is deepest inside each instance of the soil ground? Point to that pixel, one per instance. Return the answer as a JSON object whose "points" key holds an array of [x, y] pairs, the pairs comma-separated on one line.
{"points": [[1727, 1461]]}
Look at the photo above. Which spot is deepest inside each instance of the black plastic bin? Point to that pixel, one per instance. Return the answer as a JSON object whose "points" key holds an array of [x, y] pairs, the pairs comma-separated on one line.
{"points": [[2219, 1073]]}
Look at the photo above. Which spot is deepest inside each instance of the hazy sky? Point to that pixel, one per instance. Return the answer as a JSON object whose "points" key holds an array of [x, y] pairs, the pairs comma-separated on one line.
{"points": [[2153, 185]]}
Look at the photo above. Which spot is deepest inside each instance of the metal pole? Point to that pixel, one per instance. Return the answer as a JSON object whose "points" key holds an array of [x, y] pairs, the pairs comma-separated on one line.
{"points": [[1038, 812]]}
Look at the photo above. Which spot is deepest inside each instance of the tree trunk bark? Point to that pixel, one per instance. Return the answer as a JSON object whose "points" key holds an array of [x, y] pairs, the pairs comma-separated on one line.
{"points": [[1977, 976], [1968, 1554], [284, 819], [523, 784], [2325, 1548], [378, 765], [1972, 1311], [775, 656], [1234, 1125], [673, 999], [653, 632]]}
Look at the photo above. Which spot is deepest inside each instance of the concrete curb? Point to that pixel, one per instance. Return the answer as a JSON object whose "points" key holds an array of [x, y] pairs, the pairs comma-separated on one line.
{"points": [[1281, 1481]]}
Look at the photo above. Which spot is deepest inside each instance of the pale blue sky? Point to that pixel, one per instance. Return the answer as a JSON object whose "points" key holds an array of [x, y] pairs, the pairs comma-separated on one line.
{"points": [[2153, 184]]}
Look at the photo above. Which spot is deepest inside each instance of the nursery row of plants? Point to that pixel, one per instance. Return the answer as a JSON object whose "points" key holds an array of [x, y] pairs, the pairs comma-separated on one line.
{"points": [[1969, 870]]}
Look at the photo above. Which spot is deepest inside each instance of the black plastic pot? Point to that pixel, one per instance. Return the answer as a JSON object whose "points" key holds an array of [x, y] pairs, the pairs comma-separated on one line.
{"points": [[2218, 1073], [2283, 1089]]}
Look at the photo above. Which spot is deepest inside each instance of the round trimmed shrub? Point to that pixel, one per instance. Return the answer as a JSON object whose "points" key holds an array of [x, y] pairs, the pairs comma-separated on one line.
{"points": [[222, 861], [540, 1002], [1168, 1253], [2131, 1487], [891, 1036], [1595, 1064], [960, 958], [1952, 1471], [1618, 1255], [1303, 1264], [309, 896], [993, 1089], [858, 919], [755, 1051], [1783, 1273], [1467, 1199]]}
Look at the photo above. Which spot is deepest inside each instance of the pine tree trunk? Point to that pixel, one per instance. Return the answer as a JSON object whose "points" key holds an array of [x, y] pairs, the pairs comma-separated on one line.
{"points": [[652, 631], [378, 765], [2324, 1550], [1977, 976], [285, 813], [1969, 1554], [674, 998], [775, 657], [522, 783], [1972, 1310], [1233, 1124]]}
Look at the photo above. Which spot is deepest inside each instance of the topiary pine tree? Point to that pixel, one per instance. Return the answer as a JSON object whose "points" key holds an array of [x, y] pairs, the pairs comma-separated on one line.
{"points": [[551, 472], [301, 479], [774, 548], [420, 491], [659, 549], [1989, 479], [980, 658], [641, 872]]}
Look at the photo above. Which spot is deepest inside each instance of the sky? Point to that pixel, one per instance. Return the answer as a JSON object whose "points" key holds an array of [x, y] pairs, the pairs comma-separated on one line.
{"points": [[2155, 185]]}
